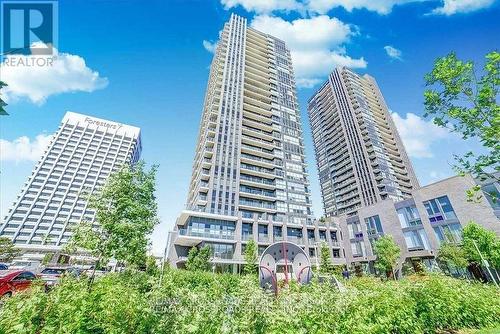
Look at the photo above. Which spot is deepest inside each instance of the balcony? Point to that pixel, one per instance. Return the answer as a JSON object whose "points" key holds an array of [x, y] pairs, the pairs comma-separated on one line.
{"points": [[297, 240], [258, 192], [335, 244], [222, 256], [264, 238], [252, 180], [260, 205], [206, 234]]}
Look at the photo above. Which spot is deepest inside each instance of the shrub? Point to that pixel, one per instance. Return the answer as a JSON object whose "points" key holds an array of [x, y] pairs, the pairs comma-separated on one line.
{"points": [[202, 302]]}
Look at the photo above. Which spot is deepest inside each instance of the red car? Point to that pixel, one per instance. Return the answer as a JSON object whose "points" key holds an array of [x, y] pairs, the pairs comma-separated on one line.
{"points": [[12, 281]]}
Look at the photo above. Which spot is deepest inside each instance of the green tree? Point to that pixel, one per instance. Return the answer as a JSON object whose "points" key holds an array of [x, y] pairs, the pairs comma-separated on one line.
{"points": [[126, 212], [464, 103], [7, 250], [2, 102], [152, 268], [387, 252], [453, 255], [199, 259], [487, 242], [251, 266], [325, 259]]}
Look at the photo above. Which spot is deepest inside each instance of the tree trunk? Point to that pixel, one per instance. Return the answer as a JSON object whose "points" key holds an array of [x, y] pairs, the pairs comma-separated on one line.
{"points": [[92, 276]]}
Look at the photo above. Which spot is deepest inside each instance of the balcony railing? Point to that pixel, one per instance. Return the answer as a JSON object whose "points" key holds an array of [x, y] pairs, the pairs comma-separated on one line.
{"points": [[257, 192], [206, 234], [257, 180], [223, 256], [257, 204], [297, 240]]}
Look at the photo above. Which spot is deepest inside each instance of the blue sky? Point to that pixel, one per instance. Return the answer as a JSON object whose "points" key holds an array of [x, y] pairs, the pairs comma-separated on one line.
{"points": [[146, 63]]}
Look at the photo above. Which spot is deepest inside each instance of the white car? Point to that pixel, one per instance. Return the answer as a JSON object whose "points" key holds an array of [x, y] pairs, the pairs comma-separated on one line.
{"points": [[29, 265]]}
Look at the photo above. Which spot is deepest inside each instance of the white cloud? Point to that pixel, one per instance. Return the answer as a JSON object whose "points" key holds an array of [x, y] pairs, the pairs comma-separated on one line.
{"points": [[315, 6], [379, 6], [419, 135], [263, 6], [23, 149], [393, 52], [451, 7], [209, 46], [435, 176], [307, 83], [316, 44], [67, 73]]}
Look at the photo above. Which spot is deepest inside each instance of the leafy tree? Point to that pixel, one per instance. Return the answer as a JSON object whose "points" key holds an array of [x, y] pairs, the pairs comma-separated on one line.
{"points": [[151, 266], [7, 250], [325, 259], [387, 252], [453, 255], [251, 266], [467, 104], [487, 242], [199, 259], [2, 102], [126, 212]]}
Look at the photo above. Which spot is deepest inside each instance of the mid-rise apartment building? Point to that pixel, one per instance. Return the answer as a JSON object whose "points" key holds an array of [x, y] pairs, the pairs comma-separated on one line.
{"points": [[249, 179], [419, 224], [79, 158], [360, 157]]}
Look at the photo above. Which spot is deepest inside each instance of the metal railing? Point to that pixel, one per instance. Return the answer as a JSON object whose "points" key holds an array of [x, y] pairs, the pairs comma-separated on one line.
{"points": [[207, 234]]}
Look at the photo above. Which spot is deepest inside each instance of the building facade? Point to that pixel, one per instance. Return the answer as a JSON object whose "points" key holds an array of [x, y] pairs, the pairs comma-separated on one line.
{"points": [[360, 157], [79, 158], [419, 224], [249, 178]]}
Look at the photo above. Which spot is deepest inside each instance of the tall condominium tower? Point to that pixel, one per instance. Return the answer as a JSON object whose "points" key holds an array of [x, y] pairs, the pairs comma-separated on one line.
{"points": [[79, 158], [249, 176], [360, 157]]}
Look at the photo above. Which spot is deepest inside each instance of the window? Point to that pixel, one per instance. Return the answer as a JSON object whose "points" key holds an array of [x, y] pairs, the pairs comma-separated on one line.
{"points": [[221, 251], [416, 240], [450, 232], [439, 209], [262, 232], [373, 225], [357, 248], [354, 230], [408, 216], [446, 207], [246, 231], [294, 234], [25, 276]]}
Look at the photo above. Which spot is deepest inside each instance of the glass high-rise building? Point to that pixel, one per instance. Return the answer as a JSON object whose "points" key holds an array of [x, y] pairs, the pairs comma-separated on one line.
{"points": [[79, 158], [360, 157], [249, 179]]}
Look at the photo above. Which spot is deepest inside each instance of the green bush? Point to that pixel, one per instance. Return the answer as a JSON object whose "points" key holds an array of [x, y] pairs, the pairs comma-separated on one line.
{"points": [[202, 302]]}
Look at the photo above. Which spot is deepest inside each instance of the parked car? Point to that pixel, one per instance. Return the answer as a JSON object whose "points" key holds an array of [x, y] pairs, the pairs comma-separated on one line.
{"points": [[12, 281], [27, 265], [51, 275], [3, 266]]}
